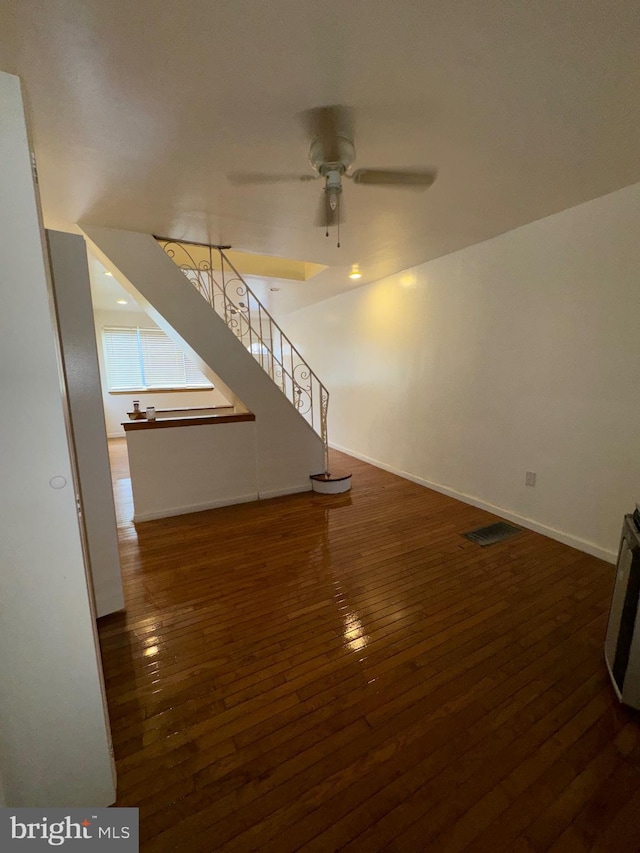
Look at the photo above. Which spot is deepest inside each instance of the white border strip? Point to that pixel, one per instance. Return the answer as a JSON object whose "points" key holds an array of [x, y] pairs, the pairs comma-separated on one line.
{"points": [[183, 510], [239, 499], [613, 681], [278, 493], [559, 535]]}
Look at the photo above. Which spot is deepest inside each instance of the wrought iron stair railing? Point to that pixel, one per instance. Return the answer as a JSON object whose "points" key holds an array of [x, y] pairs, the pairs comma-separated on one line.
{"points": [[213, 275]]}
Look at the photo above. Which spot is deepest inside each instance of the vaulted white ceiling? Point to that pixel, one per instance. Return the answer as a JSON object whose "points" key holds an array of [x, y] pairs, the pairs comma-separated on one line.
{"points": [[140, 110]]}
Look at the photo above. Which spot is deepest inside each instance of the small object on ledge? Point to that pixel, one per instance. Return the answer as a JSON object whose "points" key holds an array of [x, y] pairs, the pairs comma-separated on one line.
{"points": [[136, 414], [151, 413]]}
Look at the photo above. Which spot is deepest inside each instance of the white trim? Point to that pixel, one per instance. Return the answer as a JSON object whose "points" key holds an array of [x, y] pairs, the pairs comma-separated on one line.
{"points": [[332, 487], [613, 681], [183, 510], [239, 499], [110, 604], [161, 389], [278, 493], [559, 535]]}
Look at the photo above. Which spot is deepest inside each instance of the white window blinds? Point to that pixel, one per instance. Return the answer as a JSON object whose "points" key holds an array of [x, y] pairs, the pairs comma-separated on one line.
{"points": [[139, 359], [122, 353], [162, 361]]}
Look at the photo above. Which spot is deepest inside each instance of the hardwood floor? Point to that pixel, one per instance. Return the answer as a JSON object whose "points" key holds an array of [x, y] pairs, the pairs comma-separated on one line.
{"points": [[348, 672]]}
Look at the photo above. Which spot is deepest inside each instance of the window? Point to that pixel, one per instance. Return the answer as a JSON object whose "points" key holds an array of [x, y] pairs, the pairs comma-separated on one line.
{"points": [[257, 348], [146, 359]]}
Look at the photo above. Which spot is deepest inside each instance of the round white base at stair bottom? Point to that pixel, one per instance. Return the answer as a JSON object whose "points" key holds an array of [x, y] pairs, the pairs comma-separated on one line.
{"points": [[331, 487]]}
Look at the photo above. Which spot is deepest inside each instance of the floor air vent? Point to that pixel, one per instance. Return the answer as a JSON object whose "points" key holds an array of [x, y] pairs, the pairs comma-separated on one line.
{"points": [[492, 534]]}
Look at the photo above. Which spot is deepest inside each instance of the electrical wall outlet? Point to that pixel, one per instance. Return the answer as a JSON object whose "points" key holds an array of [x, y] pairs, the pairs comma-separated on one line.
{"points": [[530, 478]]}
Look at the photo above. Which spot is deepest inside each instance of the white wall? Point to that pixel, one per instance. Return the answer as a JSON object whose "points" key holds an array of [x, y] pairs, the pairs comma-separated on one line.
{"points": [[116, 406], [70, 278], [287, 451], [191, 468], [54, 735], [518, 354]]}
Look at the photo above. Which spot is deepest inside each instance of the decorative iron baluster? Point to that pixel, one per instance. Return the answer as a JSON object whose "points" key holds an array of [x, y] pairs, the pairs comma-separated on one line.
{"points": [[232, 299]]}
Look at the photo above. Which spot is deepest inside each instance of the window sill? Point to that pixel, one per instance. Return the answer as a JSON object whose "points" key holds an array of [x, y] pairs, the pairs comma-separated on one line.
{"points": [[131, 391]]}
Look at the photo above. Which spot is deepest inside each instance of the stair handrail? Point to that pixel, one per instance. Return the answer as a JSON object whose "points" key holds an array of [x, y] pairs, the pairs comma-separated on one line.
{"points": [[245, 315]]}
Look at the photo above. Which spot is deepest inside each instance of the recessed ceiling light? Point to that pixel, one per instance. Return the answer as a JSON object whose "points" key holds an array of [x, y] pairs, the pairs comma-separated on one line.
{"points": [[110, 274], [122, 301]]}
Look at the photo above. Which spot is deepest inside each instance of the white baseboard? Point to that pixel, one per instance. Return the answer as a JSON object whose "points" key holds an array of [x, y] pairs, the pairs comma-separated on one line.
{"points": [[183, 510], [559, 535], [107, 604], [238, 499], [121, 434], [289, 490]]}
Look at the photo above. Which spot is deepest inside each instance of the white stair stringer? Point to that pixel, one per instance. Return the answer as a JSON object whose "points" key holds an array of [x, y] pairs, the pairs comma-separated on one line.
{"points": [[288, 451]]}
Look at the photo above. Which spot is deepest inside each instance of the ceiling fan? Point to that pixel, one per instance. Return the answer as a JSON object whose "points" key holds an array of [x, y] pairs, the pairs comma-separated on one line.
{"points": [[331, 154]]}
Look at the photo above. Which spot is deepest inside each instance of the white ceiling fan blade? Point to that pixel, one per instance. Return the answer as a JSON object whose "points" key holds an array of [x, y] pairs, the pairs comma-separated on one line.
{"points": [[266, 178], [411, 179]]}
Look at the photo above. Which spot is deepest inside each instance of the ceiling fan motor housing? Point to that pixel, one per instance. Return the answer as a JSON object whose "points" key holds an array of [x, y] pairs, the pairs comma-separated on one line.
{"points": [[322, 164]]}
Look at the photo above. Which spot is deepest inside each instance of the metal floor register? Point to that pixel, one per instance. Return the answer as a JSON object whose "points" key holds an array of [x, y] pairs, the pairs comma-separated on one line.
{"points": [[493, 533]]}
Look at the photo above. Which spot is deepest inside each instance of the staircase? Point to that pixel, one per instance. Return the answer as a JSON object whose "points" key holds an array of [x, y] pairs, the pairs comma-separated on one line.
{"points": [[222, 286], [234, 341]]}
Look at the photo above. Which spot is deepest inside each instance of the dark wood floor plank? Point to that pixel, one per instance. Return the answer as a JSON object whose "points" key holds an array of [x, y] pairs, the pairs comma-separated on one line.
{"points": [[348, 672]]}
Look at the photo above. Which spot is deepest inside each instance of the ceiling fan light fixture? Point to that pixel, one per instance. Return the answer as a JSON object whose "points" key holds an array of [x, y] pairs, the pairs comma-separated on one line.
{"points": [[332, 153], [355, 273]]}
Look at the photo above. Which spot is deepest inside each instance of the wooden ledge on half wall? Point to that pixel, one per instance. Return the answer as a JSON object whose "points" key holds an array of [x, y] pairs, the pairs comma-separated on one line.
{"points": [[189, 420], [184, 411]]}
